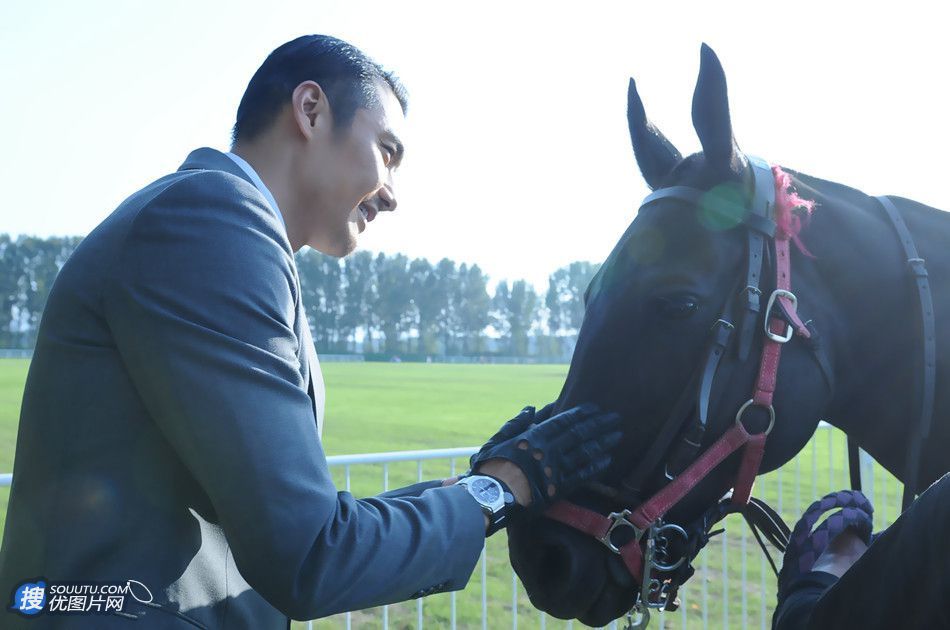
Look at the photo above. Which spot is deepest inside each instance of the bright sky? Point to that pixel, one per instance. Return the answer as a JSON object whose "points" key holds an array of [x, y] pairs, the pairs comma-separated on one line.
{"points": [[518, 156]]}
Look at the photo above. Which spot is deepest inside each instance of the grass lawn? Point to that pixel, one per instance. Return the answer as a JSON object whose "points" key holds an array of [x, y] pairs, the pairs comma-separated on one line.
{"points": [[375, 407]]}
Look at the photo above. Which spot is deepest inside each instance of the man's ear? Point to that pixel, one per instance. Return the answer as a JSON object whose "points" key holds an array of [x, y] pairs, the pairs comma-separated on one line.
{"points": [[310, 108]]}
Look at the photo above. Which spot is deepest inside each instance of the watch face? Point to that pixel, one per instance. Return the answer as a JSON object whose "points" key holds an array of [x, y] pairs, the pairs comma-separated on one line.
{"points": [[485, 490]]}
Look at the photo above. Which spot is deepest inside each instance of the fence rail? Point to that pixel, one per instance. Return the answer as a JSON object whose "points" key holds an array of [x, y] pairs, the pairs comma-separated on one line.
{"points": [[16, 353], [732, 587]]}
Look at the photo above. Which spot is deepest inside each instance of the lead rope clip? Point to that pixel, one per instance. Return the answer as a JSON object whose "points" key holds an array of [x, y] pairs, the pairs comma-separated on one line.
{"points": [[638, 617]]}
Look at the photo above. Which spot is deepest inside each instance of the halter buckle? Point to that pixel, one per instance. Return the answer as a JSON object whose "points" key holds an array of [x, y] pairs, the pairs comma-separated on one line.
{"points": [[721, 322], [789, 331], [619, 519], [917, 267]]}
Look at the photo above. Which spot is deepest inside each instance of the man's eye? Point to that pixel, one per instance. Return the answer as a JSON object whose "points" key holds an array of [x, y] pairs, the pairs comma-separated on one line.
{"points": [[677, 307], [388, 153]]}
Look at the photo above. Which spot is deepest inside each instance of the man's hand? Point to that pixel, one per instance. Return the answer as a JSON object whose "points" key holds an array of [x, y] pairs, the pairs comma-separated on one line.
{"points": [[542, 462], [517, 425], [502, 469], [843, 551]]}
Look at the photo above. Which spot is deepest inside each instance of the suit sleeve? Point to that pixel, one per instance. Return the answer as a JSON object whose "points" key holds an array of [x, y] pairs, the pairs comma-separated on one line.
{"points": [[414, 490], [794, 612], [201, 303]]}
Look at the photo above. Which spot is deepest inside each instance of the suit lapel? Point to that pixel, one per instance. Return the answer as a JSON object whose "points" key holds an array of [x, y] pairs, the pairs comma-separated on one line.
{"points": [[313, 374], [307, 355]]}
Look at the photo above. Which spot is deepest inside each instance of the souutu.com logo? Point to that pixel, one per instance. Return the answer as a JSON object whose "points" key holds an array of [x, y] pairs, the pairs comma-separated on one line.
{"points": [[38, 596]]}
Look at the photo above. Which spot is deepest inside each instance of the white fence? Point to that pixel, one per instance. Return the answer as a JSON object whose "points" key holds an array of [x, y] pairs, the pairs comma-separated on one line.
{"points": [[733, 586], [16, 353]]}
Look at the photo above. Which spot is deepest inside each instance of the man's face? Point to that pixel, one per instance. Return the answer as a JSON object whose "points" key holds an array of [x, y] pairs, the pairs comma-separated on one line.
{"points": [[348, 176]]}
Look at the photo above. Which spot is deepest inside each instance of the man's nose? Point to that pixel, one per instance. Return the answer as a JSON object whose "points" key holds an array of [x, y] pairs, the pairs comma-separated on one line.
{"points": [[387, 199]]}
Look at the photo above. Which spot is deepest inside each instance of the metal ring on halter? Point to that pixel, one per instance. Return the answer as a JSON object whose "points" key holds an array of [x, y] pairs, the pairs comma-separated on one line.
{"points": [[661, 531], [619, 520], [789, 331], [748, 404]]}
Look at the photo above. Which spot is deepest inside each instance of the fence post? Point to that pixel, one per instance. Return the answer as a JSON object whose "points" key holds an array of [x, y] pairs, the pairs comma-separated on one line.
{"points": [[867, 474]]}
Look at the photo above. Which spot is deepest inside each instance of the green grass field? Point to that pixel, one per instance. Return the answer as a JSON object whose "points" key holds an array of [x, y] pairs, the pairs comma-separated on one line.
{"points": [[375, 407]]}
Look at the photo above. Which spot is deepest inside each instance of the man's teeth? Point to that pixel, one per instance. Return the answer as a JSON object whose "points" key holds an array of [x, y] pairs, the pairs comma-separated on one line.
{"points": [[365, 214]]}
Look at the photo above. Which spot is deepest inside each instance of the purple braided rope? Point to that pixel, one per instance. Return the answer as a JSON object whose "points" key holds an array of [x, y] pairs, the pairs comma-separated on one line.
{"points": [[808, 543]]}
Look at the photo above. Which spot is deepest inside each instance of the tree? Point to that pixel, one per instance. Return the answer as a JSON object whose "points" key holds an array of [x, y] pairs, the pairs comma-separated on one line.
{"points": [[564, 302], [50, 256], [30, 266], [392, 304], [500, 316], [9, 286], [448, 304], [322, 293], [425, 290], [565, 296], [332, 300], [579, 276], [473, 306], [552, 301], [448, 321], [522, 316], [359, 295]]}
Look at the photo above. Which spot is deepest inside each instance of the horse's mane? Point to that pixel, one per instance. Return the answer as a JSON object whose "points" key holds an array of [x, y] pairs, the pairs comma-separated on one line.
{"points": [[792, 212]]}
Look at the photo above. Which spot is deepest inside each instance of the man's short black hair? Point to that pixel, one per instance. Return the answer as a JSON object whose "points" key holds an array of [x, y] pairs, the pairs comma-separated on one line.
{"points": [[346, 74]]}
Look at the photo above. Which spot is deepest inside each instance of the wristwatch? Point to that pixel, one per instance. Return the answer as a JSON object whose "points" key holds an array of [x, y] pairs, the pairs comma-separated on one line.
{"points": [[494, 497]]}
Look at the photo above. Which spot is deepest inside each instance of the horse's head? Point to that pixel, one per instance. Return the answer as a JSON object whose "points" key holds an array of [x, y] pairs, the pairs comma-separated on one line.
{"points": [[678, 269]]}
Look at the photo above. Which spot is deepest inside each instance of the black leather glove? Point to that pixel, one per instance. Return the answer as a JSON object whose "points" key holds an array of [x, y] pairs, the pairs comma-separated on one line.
{"points": [[558, 455], [519, 424]]}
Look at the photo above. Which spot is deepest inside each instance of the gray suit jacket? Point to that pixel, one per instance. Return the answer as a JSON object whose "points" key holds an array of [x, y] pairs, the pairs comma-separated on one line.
{"points": [[167, 434]]}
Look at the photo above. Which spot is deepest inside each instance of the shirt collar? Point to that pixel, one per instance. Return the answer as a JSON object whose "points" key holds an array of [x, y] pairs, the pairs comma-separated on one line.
{"points": [[258, 183]]}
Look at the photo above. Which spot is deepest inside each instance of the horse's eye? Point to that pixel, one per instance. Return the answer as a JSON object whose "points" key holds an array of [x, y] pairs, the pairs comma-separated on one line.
{"points": [[677, 307]]}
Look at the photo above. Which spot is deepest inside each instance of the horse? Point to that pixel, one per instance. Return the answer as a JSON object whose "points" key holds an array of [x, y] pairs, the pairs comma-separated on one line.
{"points": [[673, 331]]}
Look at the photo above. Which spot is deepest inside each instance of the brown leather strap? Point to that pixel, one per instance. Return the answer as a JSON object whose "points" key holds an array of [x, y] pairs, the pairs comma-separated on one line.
{"points": [[598, 525], [580, 518], [674, 491]]}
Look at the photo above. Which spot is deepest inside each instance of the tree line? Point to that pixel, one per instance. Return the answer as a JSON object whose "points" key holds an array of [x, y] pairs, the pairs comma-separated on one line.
{"points": [[378, 305]]}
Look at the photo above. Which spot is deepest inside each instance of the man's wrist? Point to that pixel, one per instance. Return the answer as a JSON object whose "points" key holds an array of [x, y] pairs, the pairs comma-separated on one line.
{"points": [[451, 481], [493, 495], [511, 475]]}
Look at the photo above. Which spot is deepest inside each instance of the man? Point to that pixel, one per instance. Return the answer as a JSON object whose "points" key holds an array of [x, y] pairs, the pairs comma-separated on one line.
{"points": [[899, 581], [169, 435]]}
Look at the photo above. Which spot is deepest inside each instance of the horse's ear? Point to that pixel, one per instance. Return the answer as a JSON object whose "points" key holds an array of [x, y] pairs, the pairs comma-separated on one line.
{"points": [[711, 112], [656, 156]]}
